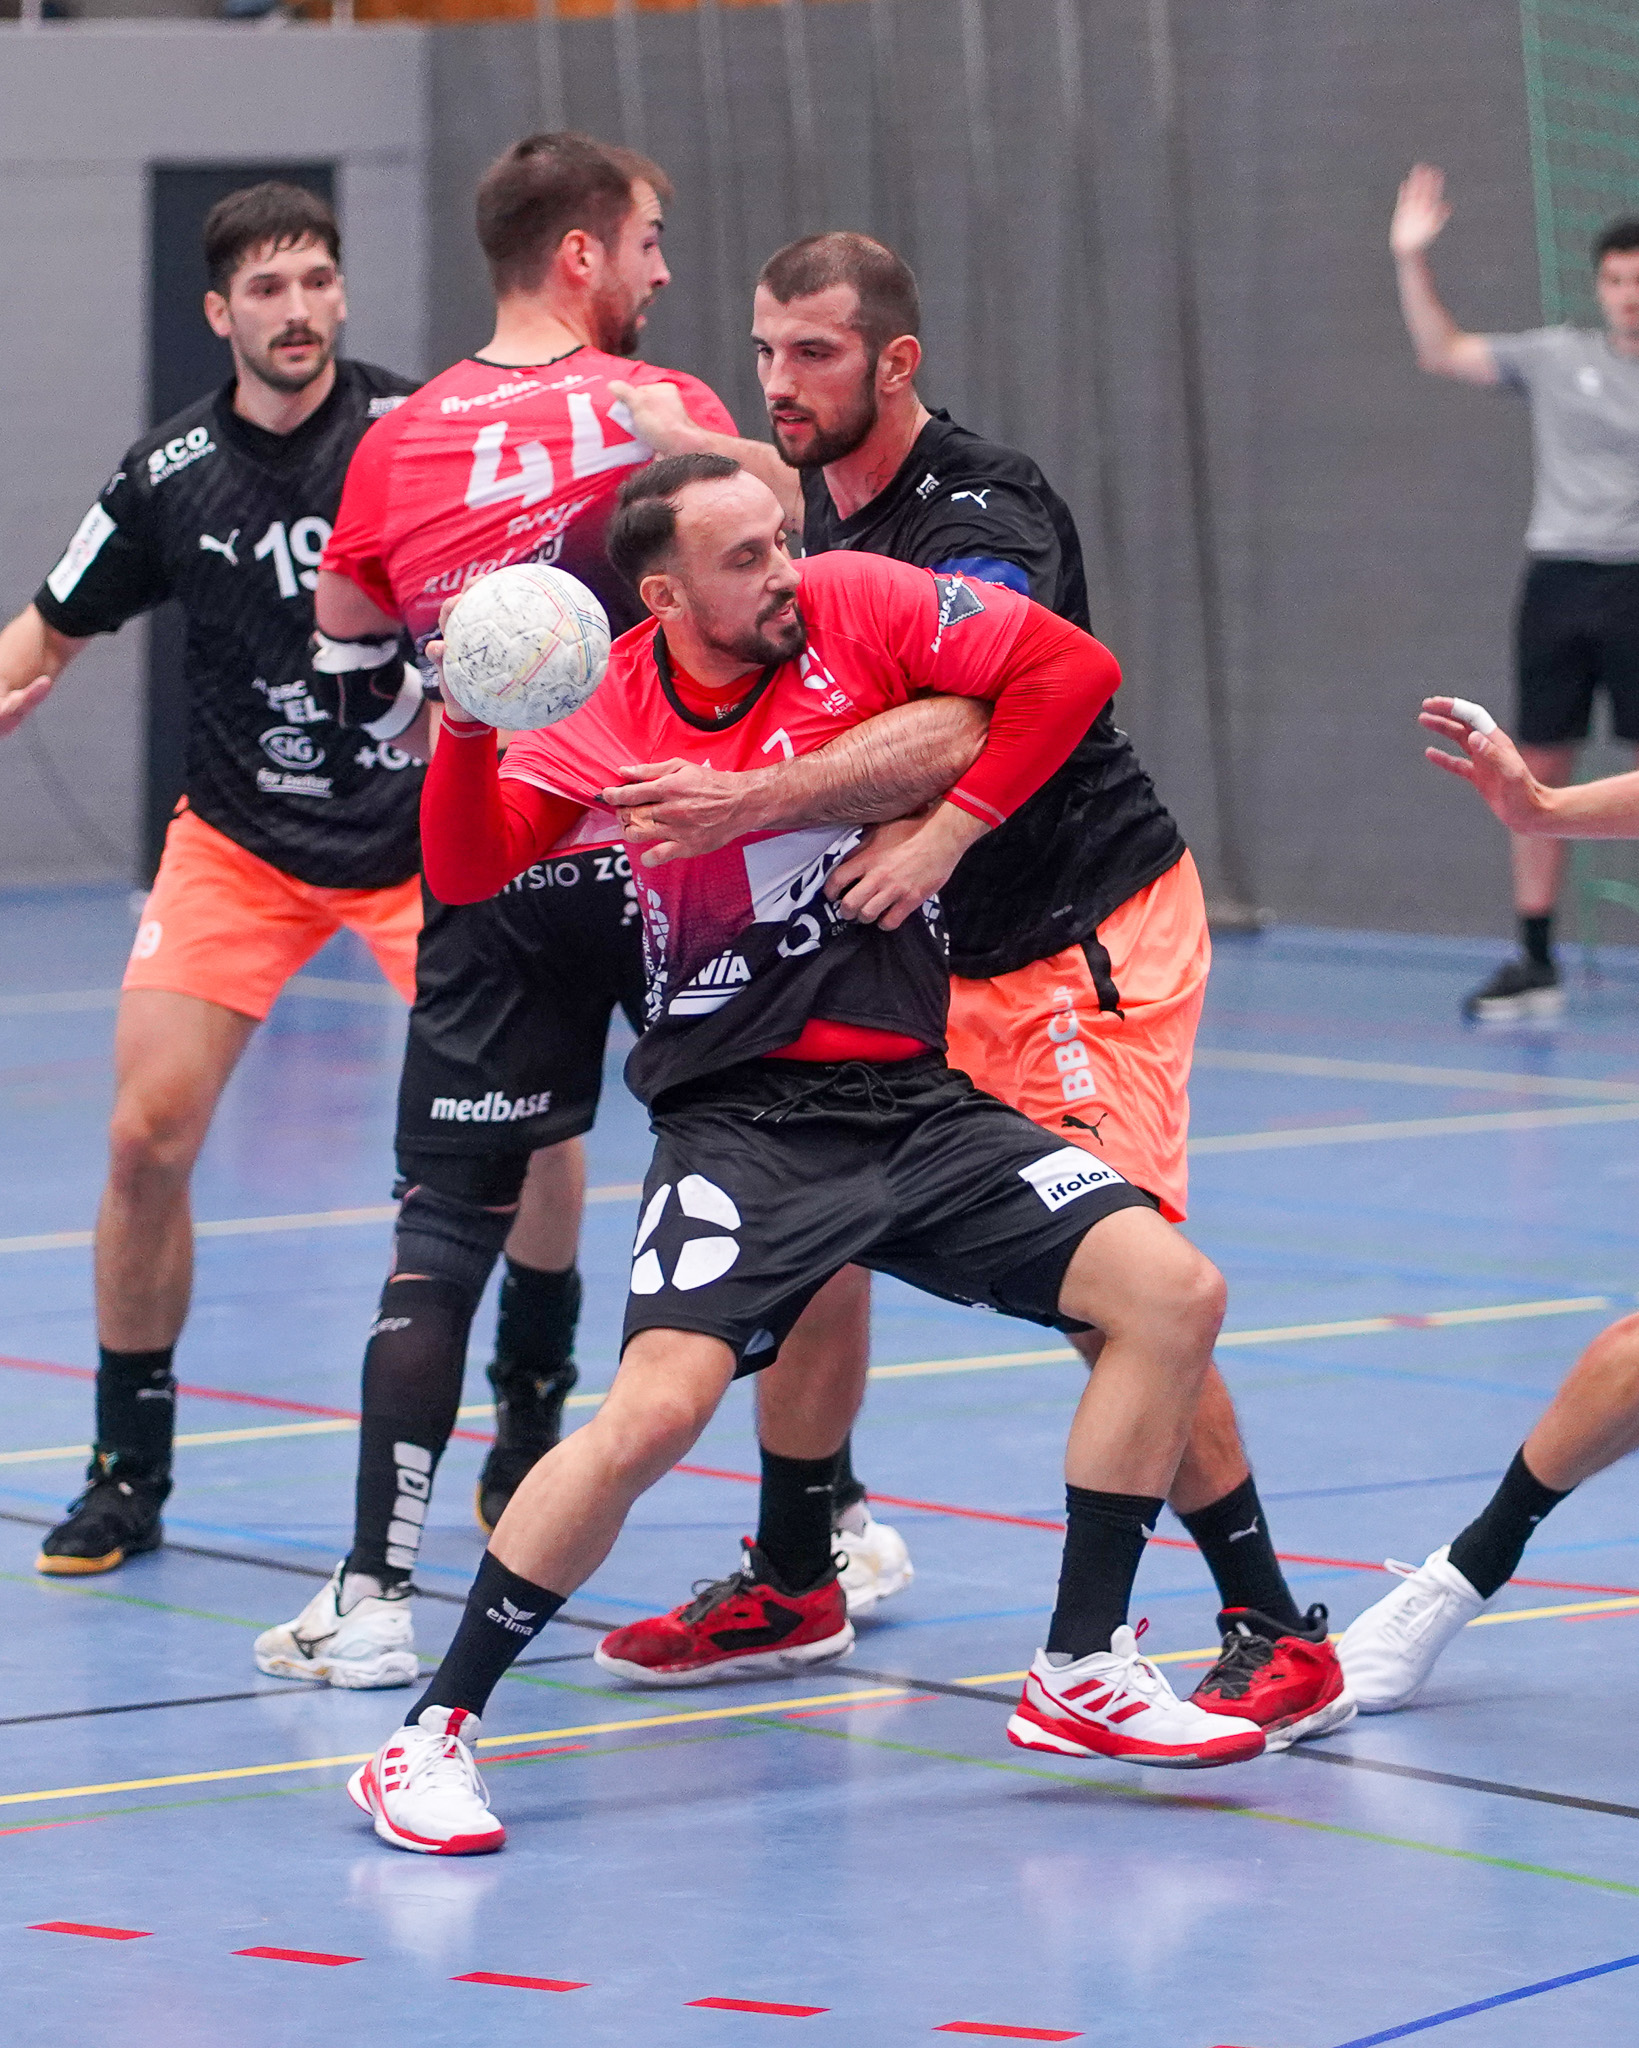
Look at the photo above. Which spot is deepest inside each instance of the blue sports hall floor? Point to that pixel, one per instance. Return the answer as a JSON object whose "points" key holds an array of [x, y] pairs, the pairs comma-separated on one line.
{"points": [[1421, 1225]]}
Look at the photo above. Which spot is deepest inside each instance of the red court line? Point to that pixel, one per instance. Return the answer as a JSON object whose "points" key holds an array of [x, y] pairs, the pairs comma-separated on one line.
{"points": [[80, 1372], [518, 1756], [941, 1507], [97, 1933], [297, 1955], [1007, 2033], [790, 2012], [518, 1983]]}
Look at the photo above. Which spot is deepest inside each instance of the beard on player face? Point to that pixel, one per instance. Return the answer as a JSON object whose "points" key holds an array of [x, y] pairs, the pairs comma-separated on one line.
{"points": [[764, 642], [617, 320], [817, 443], [279, 376]]}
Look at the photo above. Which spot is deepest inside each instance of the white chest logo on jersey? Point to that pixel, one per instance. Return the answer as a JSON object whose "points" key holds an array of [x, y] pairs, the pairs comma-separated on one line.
{"points": [[978, 497], [210, 545], [290, 747], [929, 484], [695, 1260], [179, 454]]}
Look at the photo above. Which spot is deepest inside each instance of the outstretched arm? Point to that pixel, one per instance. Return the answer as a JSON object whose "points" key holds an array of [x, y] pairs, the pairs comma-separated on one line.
{"points": [[660, 416], [1443, 349], [894, 764], [32, 656], [1491, 764]]}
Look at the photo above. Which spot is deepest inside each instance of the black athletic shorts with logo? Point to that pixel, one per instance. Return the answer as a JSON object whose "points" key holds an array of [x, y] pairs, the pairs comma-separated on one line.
{"points": [[1577, 632], [512, 1009], [769, 1178]]}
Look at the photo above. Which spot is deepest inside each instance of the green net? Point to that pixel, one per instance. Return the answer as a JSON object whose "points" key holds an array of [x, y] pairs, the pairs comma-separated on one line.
{"points": [[1582, 94]]}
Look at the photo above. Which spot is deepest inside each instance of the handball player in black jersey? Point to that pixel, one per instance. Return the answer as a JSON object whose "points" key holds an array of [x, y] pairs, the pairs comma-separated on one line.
{"points": [[1079, 955], [289, 829]]}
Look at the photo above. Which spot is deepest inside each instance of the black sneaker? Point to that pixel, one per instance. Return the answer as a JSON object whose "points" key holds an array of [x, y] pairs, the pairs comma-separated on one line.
{"points": [[115, 1518], [1518, 990], [528, 1420]]}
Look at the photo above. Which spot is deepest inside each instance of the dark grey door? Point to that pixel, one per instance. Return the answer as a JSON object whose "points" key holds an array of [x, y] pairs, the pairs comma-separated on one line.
{"points": [[185, 360]]}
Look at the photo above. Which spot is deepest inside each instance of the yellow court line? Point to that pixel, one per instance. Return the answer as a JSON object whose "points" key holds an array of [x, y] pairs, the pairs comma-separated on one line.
{"points": [[1289, 1333], [767, 1709]]}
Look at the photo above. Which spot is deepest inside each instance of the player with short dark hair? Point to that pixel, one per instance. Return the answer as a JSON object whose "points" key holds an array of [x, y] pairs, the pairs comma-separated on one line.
{"points": [[1577, 624], [804, 1115], [290, 828], [1079, 956]]}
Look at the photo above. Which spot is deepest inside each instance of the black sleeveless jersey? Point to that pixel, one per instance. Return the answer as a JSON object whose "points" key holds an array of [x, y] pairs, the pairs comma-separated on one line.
{"points": [[231, 521], [1096, 832]]}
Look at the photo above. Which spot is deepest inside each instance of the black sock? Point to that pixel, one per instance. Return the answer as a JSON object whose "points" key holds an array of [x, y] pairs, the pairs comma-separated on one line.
{"points": [[846, 1490], [1535, 936], [534, 1370], [504, 1615], [1231, 1535], [1102, 1546], [1488, 1551], [413, 1366], [794, 1518], [136, 1413]]}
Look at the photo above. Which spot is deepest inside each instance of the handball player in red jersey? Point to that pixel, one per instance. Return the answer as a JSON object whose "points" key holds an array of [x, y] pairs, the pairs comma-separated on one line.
{"points": [[805, 1117]]}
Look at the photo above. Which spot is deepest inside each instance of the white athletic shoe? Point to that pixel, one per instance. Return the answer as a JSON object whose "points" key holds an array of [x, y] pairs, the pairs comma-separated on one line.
{"points": [[1116, 1704], [1388, 1652], [423, 1791], [876, 1564], [350, 1634]]}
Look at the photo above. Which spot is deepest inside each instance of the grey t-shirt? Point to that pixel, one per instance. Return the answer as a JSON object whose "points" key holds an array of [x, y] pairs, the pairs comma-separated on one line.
{"points": [[1585, 430]]}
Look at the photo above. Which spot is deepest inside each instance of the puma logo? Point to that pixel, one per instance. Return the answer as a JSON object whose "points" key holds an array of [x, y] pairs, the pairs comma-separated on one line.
{"points": [[978, 497], [1236, 1535], [210, 545], [1075, 1123]]}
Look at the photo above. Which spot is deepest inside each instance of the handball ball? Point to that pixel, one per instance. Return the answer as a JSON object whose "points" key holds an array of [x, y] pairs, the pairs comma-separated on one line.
{"points": [[525, 646]]}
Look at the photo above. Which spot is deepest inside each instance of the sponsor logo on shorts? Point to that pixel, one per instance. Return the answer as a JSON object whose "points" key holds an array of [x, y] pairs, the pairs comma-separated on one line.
{"points": [[1076, 1082], [493, 1108], [712, 987], [148, 937], [698, 1260], [1065, 1176]]}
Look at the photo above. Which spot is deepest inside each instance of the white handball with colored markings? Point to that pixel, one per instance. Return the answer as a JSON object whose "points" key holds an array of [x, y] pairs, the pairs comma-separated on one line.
{"points": [[525, 646]]}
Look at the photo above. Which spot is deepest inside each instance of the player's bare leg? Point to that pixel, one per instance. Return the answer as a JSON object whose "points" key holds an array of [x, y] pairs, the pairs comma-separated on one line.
{"points": [[173, 1055]]}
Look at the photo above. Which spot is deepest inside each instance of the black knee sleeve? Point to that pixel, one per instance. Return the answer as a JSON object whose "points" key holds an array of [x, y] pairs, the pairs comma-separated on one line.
{"points": [[446, 1237]]}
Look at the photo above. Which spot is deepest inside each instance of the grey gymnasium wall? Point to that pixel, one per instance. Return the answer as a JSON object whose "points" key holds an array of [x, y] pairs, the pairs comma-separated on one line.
{"points": [[1360, 523], [83, 111]]}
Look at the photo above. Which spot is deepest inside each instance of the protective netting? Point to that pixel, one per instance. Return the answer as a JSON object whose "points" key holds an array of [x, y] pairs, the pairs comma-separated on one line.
{"points": [[1582, 93]]}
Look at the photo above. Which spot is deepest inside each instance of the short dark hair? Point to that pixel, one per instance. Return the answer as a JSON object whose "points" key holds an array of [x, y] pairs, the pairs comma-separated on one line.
{"points": [[645, 523], [1617, 240], [889, 304], [270, 215], [543, 188]]}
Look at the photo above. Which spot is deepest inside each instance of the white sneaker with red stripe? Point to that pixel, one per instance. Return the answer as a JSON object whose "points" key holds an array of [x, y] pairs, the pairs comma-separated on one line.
{"points": [[423, 1791], [1116, 1704]]}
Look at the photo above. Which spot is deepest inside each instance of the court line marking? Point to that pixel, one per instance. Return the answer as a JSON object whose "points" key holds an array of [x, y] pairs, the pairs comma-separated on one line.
{"points": [[335, 1421], [1311, 1753], [1307, 1066], [59, 1002], [1462, 2012], [773, 1710]]}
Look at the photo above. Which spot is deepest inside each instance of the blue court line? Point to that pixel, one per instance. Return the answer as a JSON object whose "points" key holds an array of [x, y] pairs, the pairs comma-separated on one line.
{"points": [[1381, 1486], [1462, 2012]]}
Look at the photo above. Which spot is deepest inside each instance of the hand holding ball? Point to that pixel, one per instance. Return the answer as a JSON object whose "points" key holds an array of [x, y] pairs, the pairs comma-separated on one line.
{"points": [[524, 647]]}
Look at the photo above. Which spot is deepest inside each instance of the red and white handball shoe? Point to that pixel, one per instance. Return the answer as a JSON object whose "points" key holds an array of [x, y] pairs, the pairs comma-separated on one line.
{"points": [[1287, 1680], [1116, 1704], [423, 1791], [745, 1626]]}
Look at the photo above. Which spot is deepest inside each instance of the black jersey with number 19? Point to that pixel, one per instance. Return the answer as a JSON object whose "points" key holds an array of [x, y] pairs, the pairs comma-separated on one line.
{"points": [[232, 521], [1096, 832]]}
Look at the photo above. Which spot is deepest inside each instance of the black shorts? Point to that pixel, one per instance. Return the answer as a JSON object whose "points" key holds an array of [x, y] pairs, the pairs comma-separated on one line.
{"points": [[768, 1179], [1577, 632], [512, 1009]]}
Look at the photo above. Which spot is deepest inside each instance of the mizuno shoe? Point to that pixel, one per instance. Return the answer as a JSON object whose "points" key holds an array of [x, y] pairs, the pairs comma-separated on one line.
{"points": [[351, 1634], [875, 1562], [115, 1518], [1388, 1652], [746, 1626], [1287, 1680], [423, 1791], [1116, 1704]]}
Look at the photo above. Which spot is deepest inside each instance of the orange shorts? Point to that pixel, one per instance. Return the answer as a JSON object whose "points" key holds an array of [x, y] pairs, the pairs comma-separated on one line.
{"points": [[1113, 1080], [226, 926]]}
